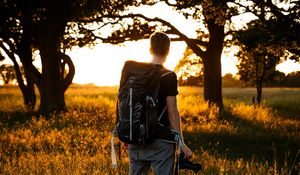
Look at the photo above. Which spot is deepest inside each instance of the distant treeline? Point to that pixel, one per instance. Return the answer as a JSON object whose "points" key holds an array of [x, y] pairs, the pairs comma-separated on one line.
{"points": [[277, 79]]}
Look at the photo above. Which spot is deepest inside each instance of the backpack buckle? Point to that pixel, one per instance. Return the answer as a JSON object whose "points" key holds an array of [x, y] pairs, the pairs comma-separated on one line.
{"points": [[149, 98]]}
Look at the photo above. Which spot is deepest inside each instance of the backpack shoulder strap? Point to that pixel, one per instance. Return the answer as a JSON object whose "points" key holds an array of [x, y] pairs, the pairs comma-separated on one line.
{"points": [[165, 72]]}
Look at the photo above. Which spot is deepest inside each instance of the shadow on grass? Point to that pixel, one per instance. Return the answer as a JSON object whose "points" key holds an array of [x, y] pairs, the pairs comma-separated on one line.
{"points": [[11, 119], [287, 112], [251, 141], [20, 119]]}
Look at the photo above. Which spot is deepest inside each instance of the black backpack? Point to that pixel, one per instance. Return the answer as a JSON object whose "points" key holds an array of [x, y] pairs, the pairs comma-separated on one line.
{"points": [[137, 105]]}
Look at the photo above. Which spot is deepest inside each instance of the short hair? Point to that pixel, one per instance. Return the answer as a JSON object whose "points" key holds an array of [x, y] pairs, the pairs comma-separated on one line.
{"points": [[160, 43]]}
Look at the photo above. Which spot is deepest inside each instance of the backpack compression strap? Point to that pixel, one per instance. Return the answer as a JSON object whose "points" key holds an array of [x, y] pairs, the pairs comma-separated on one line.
{"points": [[162, 113]]}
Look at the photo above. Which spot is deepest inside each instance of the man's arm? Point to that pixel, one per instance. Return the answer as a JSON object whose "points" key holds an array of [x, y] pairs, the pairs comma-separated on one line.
{"points": [[175, 123]]}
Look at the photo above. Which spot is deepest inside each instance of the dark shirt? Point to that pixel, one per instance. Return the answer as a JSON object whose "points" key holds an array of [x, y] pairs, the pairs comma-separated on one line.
{"points": [[168, 87]]}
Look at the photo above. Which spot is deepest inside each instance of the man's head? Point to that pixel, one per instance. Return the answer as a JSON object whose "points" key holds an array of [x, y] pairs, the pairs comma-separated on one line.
{"points": [[159, 44]]}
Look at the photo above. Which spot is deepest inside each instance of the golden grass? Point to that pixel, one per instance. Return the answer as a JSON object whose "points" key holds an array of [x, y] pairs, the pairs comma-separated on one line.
{"points": [[244, 139]]}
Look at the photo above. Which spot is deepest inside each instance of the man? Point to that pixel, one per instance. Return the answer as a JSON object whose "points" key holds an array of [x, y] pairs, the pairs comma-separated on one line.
{"points": [[160, 155]]}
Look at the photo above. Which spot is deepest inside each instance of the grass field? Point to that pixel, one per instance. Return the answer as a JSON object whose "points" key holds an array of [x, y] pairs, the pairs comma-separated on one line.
{"points": [[243, 139]]}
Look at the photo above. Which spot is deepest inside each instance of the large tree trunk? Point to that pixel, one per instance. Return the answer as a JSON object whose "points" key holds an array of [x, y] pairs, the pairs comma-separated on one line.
{"points": [[212, 65], [213, 81], [51, 89], [51, 85]]}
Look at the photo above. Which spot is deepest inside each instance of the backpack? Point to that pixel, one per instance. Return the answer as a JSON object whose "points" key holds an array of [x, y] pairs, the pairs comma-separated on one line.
{"points": [[137, 104]]}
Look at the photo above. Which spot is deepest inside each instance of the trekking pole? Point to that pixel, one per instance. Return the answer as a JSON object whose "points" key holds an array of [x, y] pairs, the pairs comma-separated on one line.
{"points": [[120, 150], [293, 169], [178, 150], [177, 164], [113, 153]]}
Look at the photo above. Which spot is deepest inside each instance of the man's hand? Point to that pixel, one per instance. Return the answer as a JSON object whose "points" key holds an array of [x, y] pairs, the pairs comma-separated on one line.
{"points": [[174, 119], [186, 151]]}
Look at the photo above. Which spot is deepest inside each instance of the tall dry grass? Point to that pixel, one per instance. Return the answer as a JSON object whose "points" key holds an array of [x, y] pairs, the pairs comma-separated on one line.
{"points": [[242, 139]]}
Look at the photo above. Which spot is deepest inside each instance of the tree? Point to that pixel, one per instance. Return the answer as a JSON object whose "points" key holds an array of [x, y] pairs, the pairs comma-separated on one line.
{"points": [[284, 25], [44, 26], [276, 79], [7, 73], [258, 56], [10, 34], [190, 69], [281, 17], [229, 80], [293, 79], [263, 45], [254, 67]]}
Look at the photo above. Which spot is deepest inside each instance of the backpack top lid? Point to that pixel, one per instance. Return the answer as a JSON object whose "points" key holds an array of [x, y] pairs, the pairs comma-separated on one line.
{"points": [[134, 66], [144, 70]]}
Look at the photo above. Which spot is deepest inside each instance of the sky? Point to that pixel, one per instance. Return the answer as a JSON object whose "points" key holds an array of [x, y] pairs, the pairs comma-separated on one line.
{"points": [[102, 64]]}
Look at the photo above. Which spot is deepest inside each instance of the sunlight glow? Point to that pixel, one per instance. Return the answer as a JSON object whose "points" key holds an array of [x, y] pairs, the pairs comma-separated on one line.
{"points": [[288, 66], [102, 64]]}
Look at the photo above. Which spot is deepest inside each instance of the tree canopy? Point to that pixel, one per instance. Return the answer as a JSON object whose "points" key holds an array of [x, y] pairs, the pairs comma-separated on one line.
{"points": [[190, 69], [47, 26], [264, 42]]}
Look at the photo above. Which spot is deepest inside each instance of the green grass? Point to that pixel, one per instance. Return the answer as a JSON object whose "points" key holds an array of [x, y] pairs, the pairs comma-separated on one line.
{"points": [[242, 139]]}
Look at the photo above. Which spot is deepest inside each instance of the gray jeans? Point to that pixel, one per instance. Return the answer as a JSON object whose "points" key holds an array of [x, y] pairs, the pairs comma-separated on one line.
{"points": [[159, 155]]}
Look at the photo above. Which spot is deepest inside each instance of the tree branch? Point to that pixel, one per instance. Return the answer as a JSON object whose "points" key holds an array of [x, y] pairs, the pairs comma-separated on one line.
{"points": [[247, 9], [294, 51], [197, 41], [67, 81], [170, 4], [190, 42], [275, 10], [33, 72], [16, 66]]}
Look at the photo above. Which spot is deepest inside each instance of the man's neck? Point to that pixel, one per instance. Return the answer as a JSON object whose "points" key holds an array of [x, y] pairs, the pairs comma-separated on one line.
{"points": [[156, 59]]}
